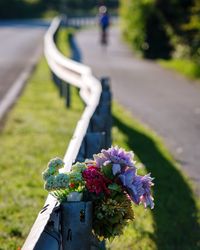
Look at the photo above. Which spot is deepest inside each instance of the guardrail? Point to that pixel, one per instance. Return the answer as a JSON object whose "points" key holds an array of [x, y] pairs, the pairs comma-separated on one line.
{"points": [[87, 21], [92, 133]]}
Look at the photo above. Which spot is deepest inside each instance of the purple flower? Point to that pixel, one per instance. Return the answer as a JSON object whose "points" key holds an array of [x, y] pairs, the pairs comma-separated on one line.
{"points": [[127, 177], [138, 187], [133, 184], [136, 190], [114, 155], [147, 198], [116, 168]]}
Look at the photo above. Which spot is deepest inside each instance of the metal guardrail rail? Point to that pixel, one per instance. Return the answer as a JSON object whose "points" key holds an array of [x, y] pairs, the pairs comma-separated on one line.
{"points": [[90, 90], [79, 75], [88, 21]]}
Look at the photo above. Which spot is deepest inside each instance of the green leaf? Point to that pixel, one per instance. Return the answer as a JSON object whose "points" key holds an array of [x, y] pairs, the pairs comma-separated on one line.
{"points": [[107, 171], [115, 187]]}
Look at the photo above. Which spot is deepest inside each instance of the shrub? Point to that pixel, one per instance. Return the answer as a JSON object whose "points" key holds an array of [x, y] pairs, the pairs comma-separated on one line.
{"points": [[155, 27]]}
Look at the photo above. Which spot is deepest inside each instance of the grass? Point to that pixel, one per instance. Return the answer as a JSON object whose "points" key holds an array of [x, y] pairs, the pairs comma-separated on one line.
{"points": [[173, 224], [37, 129], [187, 68], [63, 43]]}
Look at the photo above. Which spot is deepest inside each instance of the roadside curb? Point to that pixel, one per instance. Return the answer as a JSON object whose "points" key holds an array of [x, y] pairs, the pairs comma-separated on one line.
{"points": [[14, 92]]}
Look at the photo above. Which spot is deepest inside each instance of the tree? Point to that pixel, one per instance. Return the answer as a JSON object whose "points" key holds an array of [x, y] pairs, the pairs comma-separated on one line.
{"points": [[143, 28], [156, 27], [192, 28]]}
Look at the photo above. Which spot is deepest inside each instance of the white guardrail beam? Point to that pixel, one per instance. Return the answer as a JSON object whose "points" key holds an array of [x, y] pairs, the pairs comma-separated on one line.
{"points": [[80, 76]]}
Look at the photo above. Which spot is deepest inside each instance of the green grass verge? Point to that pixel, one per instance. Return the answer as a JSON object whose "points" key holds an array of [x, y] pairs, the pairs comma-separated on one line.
{"points": [[63, 42], [38, 128], [183, 66], [173, 223]]}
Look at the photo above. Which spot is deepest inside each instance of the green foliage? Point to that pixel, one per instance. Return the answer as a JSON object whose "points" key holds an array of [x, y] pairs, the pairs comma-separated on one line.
{"points": [[107, 171], [155, 28], [115, 187], [112, 215], [143, 28], [62, 184], [134, 16], [192, 28]]}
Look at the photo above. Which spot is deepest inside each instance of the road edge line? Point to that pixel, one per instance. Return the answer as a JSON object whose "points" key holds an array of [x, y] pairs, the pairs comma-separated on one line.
{"points": [[14, 92]]}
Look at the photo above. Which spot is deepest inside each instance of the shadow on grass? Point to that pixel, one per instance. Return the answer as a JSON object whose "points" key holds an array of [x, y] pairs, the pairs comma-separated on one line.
{"points": [[175, 212]]}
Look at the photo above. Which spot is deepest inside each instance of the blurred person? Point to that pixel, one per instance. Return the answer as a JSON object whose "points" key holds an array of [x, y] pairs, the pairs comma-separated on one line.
{"points": [[104, 22]]}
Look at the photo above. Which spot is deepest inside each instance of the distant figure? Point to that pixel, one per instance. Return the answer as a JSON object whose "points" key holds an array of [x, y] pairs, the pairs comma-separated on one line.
{"points": [[104, 22]]}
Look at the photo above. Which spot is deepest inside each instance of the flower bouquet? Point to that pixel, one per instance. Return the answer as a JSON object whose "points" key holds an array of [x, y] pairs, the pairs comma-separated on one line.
{"points": [[110, 181]]}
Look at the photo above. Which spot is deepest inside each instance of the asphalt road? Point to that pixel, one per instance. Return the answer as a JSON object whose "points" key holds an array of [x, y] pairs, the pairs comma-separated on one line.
{"points": [[20, 44], [164, 100]]}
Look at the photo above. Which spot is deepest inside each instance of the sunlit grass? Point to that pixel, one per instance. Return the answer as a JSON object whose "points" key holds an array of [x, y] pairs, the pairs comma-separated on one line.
{"points": [[176, 210], [187, 68], [63, 44], [37, 129]]}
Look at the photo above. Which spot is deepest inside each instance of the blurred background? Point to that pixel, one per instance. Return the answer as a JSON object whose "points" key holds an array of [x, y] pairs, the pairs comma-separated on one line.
{"points": [[155, 28], [47, 8]]}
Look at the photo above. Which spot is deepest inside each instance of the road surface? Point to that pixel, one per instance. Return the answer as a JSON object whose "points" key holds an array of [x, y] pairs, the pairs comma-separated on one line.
{"points": [[162, 99], [20, 44]]}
